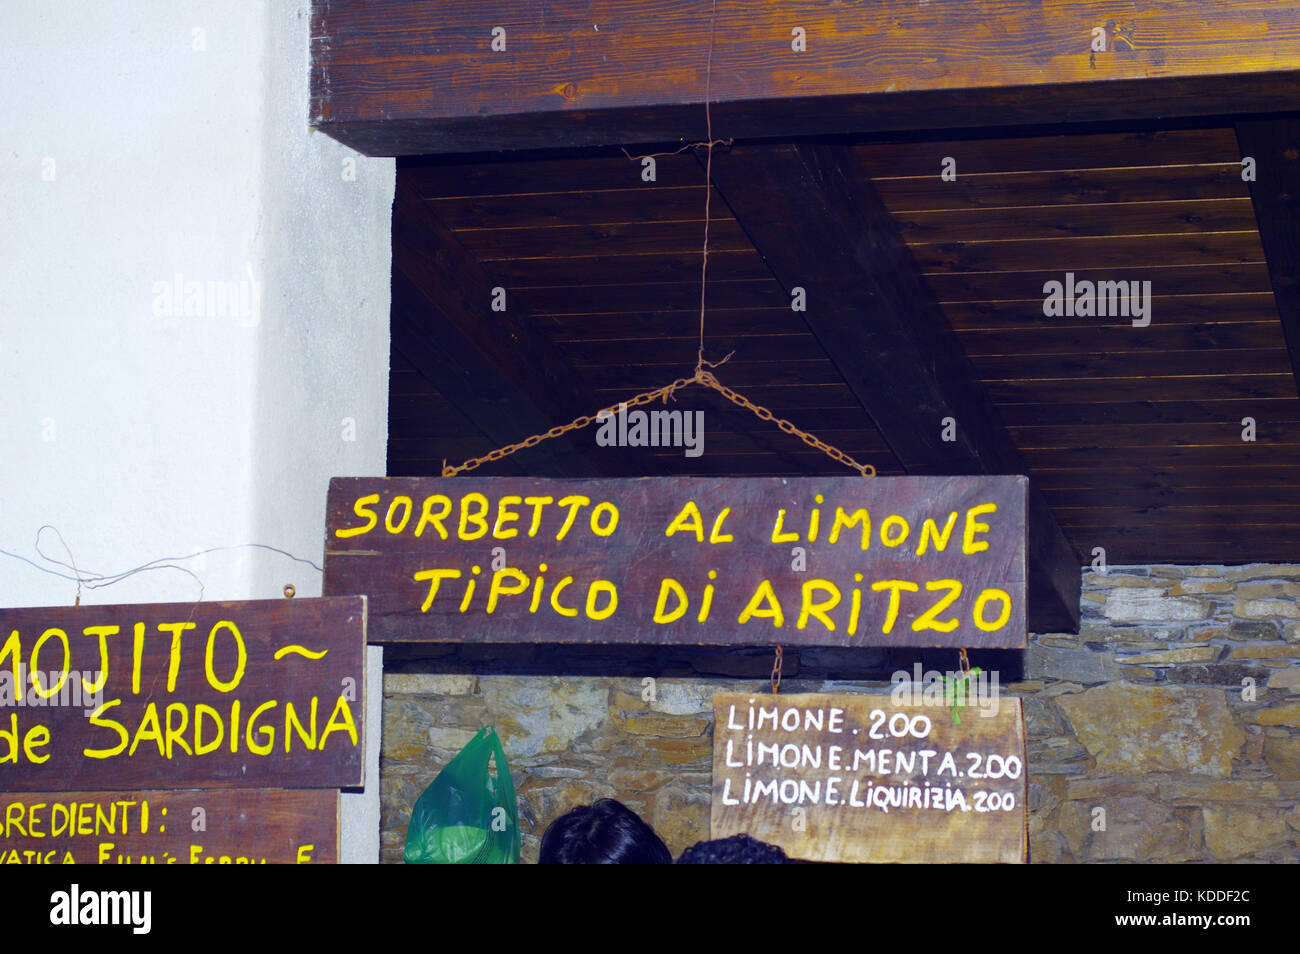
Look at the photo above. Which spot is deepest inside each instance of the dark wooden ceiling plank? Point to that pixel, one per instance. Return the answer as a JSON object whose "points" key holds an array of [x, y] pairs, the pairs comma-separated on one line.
{"points": [[598, 241], [760, 292], [1127, 390], [494, 367], [611, 269], [678, 351], [1242, 456], [646, 325], [1078, 221], [1226, 495], [649, 203], [746, 374], [574, 74], [1081, 254], [1172, 279], [783, 400], [1154, 435], [820, 227], [1151, 412], [928, 193], [1164, 477], [1182, 519], [1096, 366], [1063, 337], [976, 316]]}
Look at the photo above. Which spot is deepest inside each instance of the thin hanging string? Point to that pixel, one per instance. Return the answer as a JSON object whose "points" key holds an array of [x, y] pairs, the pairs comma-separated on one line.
{"points": [[703, 375], [708, 181]]}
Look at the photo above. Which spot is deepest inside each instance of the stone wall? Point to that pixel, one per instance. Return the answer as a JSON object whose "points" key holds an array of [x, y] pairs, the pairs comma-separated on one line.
{"points": [[1168, 730]]}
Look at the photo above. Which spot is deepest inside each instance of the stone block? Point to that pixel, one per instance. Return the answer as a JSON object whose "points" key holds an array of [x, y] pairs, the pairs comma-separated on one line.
{"points": [[1132, 828], [428, 684], [1128, 604], [1286, 679], [1224, 674], [1288, 714], [1130, 728], [1198, 587], [1170, 656], [1073, 665], [1265, 609], [1232, 831], [1283, 757]]}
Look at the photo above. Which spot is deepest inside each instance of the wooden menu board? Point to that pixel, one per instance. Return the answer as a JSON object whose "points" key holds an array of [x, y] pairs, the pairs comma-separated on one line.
{"points": [[252, 694], [860, 778], [835, 561]]}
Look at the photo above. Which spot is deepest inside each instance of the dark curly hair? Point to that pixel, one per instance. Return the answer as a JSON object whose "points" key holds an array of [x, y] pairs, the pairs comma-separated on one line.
{"points": [[736, 850], [606, 832]]}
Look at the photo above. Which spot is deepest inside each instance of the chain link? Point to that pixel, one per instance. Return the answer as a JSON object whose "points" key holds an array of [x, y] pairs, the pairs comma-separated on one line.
{"points": [[776, 671]]}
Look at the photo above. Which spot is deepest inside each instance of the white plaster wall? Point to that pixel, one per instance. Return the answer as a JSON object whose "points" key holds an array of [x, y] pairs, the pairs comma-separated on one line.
{"points": [[139, 142]]}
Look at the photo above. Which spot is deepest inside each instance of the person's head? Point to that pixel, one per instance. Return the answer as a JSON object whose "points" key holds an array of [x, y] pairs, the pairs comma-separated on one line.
{"points": [[736, 850], [606, 832]]}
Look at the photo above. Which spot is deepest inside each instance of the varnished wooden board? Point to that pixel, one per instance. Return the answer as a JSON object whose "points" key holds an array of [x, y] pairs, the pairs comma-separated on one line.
{"points": [[208, 826], [1174, 456], [254, 694], [1119, 251], [613, 267], [873, 778], [1098, 366], [1078, 221], [1151, 412], [577, 72], [1170, 147], [597, 295], [1174, 309], [719, 324], [642, 202], [610, 561], [1072, 389], [619, 238], [1054, 336], [928, 193], [659, 350], [1165, 280]]}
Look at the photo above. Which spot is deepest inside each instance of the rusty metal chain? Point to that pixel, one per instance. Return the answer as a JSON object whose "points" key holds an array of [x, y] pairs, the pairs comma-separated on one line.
{"points": [[701, 376], [776, 671]]}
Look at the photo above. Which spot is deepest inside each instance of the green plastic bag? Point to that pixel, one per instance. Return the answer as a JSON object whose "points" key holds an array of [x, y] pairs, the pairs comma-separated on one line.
{"points": [[468, 815]]}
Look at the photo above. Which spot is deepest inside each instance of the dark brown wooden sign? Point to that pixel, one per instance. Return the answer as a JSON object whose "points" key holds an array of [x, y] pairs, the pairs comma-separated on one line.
{"points": [[177, 695], [255, 826], [831, 561], [866, 778]]}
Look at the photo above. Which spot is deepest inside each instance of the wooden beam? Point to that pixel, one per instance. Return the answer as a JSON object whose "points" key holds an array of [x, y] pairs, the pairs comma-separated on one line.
{"points": [[398, 77], [494, 367], [1274, 145], [822, 228]]}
